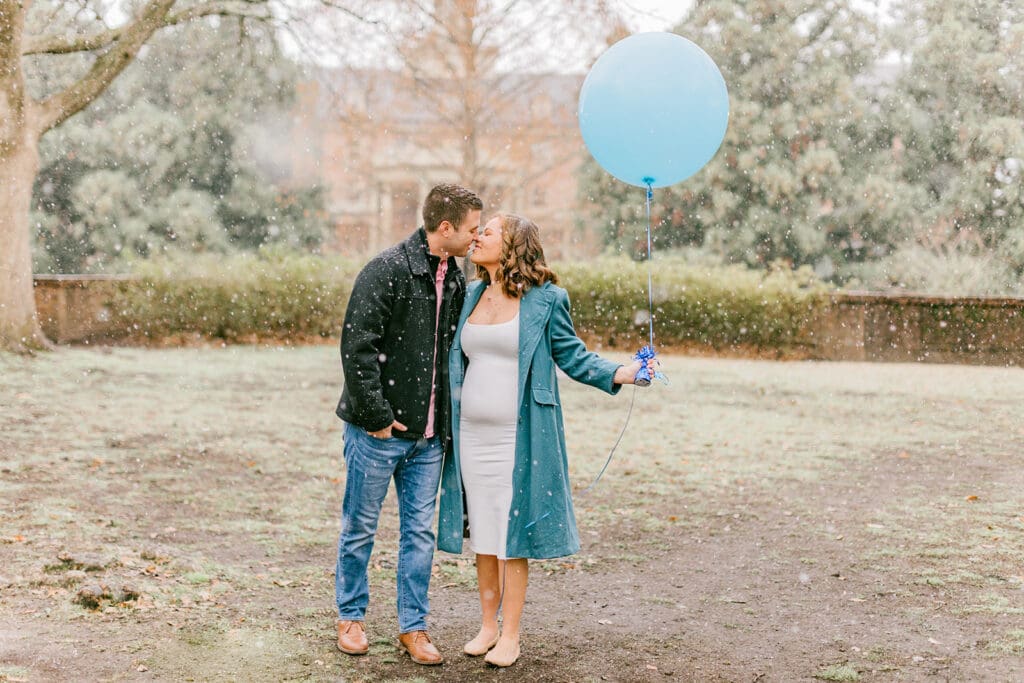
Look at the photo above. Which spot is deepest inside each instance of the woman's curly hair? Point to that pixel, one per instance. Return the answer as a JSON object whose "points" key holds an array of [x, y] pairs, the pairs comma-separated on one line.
{"points": [[521, 264]]}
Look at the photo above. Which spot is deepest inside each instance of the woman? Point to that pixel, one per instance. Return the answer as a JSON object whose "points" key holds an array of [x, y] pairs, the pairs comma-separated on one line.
{"points": [[509, 475]]}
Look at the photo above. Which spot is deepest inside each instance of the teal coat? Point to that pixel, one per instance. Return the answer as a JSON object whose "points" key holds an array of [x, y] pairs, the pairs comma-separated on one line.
{"points": [[542, 523]]}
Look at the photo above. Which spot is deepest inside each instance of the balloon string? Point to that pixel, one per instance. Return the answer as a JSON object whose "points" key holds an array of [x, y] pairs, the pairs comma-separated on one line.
{"points": [[650, 320], [607, 462], [614, 447], [632, 401], [650, 287]]}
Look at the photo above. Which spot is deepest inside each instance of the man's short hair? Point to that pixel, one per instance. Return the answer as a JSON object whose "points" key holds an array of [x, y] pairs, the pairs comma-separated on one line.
{"points": [[450, 203]]}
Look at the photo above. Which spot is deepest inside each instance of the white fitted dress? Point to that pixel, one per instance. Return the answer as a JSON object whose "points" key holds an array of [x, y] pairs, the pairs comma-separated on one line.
{"points": [[487, 431]]}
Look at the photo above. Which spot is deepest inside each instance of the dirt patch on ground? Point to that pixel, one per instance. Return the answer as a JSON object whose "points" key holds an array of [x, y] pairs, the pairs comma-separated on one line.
{"points": [[171, 515]]}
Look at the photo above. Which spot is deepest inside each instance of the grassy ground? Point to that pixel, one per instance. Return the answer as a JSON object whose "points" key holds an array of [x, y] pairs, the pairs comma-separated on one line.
{"points": [[172, 515]]}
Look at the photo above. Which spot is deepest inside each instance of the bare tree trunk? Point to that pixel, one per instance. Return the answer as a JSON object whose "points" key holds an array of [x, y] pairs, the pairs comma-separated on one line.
{"points": [[22, 122], [19, 327], [470, 162], [468, 50], [19, 162]]}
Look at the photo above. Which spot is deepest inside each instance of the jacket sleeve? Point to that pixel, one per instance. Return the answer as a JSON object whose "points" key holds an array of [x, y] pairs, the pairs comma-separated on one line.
{"points": [[366, 320], [570, 353]]}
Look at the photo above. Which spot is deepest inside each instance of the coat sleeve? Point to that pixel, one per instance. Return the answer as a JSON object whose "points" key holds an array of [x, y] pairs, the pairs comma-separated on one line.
{"points": [[366, 319], [570, 353]]}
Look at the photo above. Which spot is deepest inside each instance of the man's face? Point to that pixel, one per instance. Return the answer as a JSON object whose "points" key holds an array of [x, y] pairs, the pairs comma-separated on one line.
{"points": [[458, 239]]}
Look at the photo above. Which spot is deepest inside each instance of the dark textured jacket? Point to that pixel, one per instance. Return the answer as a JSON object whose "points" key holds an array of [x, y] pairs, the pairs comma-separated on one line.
{"points": [[387, 342]]}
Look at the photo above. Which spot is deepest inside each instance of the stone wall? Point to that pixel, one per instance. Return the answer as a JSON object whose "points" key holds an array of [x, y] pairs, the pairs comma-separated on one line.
{"points": [[865, 326], [73, 308]]}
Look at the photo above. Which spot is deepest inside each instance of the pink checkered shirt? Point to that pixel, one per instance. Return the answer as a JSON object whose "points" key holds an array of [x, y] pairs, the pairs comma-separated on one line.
{"points": [[442, 270]]}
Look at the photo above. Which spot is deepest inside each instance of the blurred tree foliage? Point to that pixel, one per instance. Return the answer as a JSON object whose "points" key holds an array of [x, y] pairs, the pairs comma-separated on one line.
{"points": [[956, 115], [798, 132], [853, 142], [176, 157]]}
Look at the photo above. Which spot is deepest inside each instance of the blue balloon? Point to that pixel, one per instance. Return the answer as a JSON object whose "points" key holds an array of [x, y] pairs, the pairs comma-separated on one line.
{"points": [[653, 109]]}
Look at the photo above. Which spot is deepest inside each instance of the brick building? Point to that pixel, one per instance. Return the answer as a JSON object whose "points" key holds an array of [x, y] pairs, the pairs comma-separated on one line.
{"points": [[377, 140]]}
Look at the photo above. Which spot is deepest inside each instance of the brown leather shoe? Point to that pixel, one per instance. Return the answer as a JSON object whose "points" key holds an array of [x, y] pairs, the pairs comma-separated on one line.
{"points": [[419, 647], [352, 638]]}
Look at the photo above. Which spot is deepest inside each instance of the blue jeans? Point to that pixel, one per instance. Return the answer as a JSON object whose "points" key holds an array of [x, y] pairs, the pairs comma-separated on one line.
{"points": [[370, 465]]}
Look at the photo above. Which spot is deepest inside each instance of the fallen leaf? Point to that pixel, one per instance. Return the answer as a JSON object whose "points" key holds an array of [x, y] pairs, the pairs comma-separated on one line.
{"points": [[971, 498]]}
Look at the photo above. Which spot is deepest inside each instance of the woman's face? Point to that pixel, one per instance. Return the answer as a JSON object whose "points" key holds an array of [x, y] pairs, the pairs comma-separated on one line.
{"points": [[487, 245]]}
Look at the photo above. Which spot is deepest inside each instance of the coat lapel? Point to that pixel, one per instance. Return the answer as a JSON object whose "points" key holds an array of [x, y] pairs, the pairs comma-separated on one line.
{"points": [[534, 311], [473, 293]]}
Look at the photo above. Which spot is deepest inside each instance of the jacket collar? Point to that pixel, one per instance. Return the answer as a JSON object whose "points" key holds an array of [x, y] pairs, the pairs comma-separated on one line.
{"points": [[473, 294], [534, 311], [416, 250], [533, 308], [533, 314]]}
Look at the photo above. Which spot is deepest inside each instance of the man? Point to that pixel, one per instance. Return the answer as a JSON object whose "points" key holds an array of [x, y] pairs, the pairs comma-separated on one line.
{"points": [[401, 316]]}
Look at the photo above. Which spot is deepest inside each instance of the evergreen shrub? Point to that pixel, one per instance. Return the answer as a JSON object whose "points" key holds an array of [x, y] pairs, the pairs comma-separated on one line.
{"points": [[272, 294], [722, 307], [278, 295]]}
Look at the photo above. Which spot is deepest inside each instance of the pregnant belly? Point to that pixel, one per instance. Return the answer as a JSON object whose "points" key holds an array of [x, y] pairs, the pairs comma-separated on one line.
{"points": [[490, 395]]}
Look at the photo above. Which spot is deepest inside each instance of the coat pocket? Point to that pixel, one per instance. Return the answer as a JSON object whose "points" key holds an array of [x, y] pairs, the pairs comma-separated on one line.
{"points": [[545, 397]]}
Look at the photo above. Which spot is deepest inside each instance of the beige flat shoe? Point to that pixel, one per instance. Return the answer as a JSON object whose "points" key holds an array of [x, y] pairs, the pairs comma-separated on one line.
{"points": [[475, 650], [495, 659]]}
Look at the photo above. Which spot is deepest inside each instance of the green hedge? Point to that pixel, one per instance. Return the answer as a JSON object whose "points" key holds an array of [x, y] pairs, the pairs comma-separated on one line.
{"points": [[283, 296], [270, 295], [720, 307]]}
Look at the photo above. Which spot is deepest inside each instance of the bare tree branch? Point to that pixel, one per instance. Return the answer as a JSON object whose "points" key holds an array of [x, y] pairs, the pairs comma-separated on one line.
{"points": [[56, 109], [475, 66], [56, 45], [346, 8], [12, 76]]}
